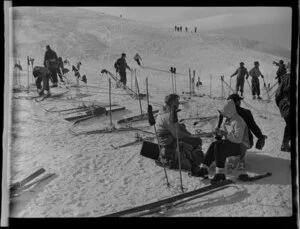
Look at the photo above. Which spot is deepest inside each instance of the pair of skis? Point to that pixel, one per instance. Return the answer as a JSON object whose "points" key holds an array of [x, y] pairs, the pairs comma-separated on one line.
{"points": [[170, 202], [16, 188]]}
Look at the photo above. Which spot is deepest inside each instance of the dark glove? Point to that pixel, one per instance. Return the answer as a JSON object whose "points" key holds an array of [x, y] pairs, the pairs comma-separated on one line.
{"points": [[260, 142]]}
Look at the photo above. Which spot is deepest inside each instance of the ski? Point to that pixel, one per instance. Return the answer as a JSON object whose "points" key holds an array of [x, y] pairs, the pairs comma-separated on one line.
{"points": [[14, 187], [200, 118], [165, 208], [170, 200], [113, 130], [139, 140], [136, 118]]}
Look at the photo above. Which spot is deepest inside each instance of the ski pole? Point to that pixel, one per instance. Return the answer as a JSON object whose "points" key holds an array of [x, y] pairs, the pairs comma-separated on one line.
{"points": [[151, 121], [210, 86], [109, 82], [249, 85], [266, 90], [28, 72], [175, 78], [230, 85], [175, 120], [138, 92], [190, 80]]}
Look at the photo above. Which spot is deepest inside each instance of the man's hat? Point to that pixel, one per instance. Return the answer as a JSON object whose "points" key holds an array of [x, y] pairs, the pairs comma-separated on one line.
{"points": [[234, 97], [242, 63], [281, 62], [170, 97], [256, 63], [123, 54]]}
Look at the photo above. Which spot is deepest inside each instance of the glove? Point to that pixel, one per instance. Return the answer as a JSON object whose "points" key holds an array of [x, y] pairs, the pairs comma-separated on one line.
{"points": [[260, 142]]}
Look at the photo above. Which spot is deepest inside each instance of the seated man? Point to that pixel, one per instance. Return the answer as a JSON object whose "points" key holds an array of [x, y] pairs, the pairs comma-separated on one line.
{"points": [[251, 124], [235, 132], [42, 74], [191, 154]]}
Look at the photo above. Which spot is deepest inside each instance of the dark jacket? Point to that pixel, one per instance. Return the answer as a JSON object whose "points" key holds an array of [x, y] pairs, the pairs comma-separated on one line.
{"points": [[282, 95], [39, 71], [121, 65], [49, 54], [241, 73], [280, 71], [249, 120]]}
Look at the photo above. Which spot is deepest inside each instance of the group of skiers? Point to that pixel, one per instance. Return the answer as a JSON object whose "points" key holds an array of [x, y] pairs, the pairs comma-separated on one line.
{"points": [[234, 136], [255, 73], [121, 66], [179, 29], [53, 66]]}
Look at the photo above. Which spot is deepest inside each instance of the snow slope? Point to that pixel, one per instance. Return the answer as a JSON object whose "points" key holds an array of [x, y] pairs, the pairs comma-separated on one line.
{"points": [[91, 177]]}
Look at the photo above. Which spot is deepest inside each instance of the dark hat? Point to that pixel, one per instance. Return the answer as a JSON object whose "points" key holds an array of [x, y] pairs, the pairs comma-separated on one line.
{"points": [[47, 46], [281, 62], [234, 97], [242, 63], [256, 63], [123, 54]]}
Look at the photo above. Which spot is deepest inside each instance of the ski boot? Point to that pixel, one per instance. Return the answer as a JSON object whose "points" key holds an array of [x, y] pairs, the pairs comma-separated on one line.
{"points": [[259, 98], [285, 147], [219, 177], [199, 172], [254, 97]]}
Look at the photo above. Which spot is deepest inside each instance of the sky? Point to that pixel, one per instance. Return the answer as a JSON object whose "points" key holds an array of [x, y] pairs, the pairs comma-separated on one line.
{"points": [[276, 20]]}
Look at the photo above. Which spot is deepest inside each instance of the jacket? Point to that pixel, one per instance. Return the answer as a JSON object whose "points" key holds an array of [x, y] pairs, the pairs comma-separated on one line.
{"points": [[39, 71], [49, 54], [255, 73], [121, 65], [166, 129], [282, 95], [235, 126], [241, 72]]}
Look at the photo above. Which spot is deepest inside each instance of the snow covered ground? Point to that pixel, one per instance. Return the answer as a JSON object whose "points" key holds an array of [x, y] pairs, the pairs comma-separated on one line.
{"points": [[91, 178]]}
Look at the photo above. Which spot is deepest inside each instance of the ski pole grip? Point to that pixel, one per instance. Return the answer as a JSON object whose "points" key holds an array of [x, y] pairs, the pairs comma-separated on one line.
{"points": [[151, 118]]}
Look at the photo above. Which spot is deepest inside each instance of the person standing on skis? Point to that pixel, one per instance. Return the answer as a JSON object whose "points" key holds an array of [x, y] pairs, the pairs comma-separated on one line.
{"points": [[280, 71], [255, 73], [138, 59], [241, 72], [120, 66], [51, 62]]}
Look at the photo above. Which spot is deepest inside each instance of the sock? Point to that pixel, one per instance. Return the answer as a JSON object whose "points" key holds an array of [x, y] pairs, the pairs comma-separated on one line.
{"points": [[220, 170]]}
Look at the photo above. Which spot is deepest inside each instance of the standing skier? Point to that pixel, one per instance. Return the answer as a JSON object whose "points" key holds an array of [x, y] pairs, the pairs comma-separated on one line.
{"points": [[282, 98], [137, 58], [240, 79], [51, 62], [120, 66], [255, 73], [280, 71]]}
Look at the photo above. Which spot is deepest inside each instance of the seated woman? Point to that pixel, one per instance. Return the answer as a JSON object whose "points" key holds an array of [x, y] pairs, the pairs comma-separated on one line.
{"points": [[191, 154], [235, 132]]}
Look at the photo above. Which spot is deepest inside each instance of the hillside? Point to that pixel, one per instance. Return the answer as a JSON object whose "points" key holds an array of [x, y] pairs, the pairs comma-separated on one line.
{"points": [[95, 36], [90, 175]]}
